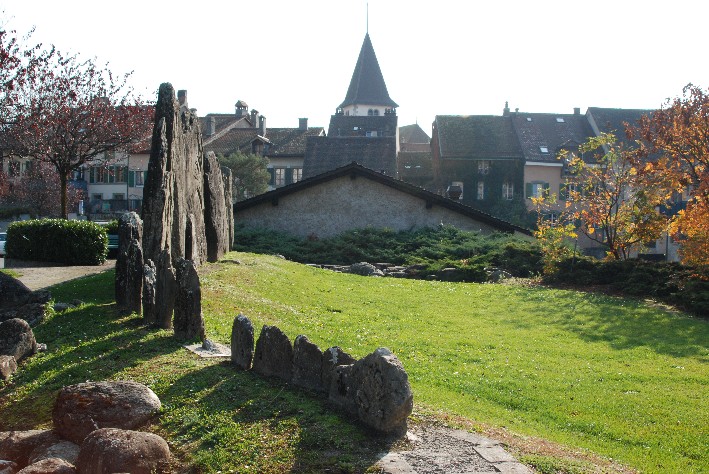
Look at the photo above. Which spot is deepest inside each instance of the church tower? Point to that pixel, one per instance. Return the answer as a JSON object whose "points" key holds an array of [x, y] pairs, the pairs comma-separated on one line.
{"points": [[367, 94]]}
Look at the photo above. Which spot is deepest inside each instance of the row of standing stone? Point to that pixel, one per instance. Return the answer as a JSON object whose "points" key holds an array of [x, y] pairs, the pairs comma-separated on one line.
{"points": [[374, 389]]}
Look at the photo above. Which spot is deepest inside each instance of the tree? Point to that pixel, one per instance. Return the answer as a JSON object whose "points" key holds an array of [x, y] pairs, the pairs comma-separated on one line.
{"points": [[555, 229], [675, 155], [608, 200], [71, 113], [250, 174]]}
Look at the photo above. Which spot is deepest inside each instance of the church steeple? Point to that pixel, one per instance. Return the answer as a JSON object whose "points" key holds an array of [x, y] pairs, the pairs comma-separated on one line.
{"points": [[367, 91]]}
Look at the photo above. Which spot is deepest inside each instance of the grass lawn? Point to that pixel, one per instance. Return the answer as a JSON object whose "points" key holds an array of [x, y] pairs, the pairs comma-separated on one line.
{"points": [[615, 377]]}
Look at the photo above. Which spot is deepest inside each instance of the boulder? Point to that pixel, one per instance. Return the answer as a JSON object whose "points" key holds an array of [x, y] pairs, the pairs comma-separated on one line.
{"points": [[85, 407], [273, 356], [331, 358], [17, 446], [188, 321], [33, 313], [49, 466], [8, 467], [383, 396], [17, 339], [110, 450], [307, 364], [8, 366], [215, 209], [242, 342], [365, 269], [12, 292], [65, 450]]}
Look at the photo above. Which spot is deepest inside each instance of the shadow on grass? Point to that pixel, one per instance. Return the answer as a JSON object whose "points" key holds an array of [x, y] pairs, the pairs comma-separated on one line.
{"points": [[236, 419], [625, 323]]}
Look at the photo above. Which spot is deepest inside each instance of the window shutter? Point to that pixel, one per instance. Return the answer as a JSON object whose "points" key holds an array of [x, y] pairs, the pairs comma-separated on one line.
{"points": [[528, 190], [91, 175], [131, 178], [289, 176], [272, 172], [562, 192]]}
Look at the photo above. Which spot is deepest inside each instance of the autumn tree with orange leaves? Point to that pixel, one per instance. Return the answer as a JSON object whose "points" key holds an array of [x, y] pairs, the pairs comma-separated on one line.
{"points": [[68, 112], [674, 154]]}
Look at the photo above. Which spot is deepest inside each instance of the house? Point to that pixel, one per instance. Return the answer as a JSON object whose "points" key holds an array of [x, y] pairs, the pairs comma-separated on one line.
{"points": [[364, 126], [354, 197], [246, 132], [414, 159]]}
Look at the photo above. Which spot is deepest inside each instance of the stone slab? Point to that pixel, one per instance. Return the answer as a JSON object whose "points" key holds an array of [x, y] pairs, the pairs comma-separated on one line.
{"points": [[219, 350]]}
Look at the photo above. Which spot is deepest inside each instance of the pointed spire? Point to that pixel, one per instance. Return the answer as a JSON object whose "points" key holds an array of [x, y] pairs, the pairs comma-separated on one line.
{"points": [[367, 85]]}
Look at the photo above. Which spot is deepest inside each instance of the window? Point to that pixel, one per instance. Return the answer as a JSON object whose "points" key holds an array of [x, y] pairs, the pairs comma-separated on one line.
{"points": [[280, 176], [481, 190], [136, 178], [13, 168], [297, 174], [508, 191], [560, 119], [96, 197], [376, 112], [118, 196], [565, 190], [483, 167], [544, 149], [529, 119], [370, 112], [536, 189], [120, 172]]}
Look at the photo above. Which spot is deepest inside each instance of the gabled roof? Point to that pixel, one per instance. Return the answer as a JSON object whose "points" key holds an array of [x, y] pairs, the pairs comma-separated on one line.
{"points": [[481, 137], [354, 170], [413, 134], [284, 142], [367, 85], [605, 120], [224, 122], [327, 153], [551, 132]]}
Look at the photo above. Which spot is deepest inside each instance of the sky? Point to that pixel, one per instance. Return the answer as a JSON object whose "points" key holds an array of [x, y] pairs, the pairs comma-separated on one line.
{"points": [[290, 59]]}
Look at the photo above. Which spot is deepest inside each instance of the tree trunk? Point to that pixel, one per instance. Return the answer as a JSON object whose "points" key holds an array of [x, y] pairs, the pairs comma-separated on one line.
{"points": [[63, 191]]}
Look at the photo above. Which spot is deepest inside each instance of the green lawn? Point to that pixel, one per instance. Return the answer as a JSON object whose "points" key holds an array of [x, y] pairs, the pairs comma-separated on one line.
{"points": [[614, 377]]}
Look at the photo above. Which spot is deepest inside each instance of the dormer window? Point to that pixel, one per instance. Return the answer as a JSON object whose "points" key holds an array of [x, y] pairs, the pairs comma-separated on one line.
{"points": [[560, 119], [529, 119], [544, 149]]}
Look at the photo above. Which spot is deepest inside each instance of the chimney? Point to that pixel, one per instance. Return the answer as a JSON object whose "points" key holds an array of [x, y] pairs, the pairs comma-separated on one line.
{"points": [[211, 126], [303, 123], [241, 108], [506, 110], [182, 97], [262, 126], [577, 110], [254, 118]]}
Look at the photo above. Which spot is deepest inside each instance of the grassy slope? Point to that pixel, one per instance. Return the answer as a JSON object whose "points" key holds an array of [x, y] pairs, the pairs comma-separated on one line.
{"points": [[613, 376]]}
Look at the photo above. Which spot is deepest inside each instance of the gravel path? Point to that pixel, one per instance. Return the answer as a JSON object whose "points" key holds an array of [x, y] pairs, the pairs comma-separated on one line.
{"points": [[37, 275]]}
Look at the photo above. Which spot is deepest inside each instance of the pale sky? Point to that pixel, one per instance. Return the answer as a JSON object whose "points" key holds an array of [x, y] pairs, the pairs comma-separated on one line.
{"points": [[290, 59]]}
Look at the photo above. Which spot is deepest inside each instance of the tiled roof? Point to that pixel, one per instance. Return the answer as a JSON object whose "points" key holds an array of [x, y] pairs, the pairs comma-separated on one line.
{"points": [[479, 137], [367, 85], [224, 121], [327, 153], [550, 132], [358, 125], [413, 134], [356, 170], [612, 120], [283, 141]]}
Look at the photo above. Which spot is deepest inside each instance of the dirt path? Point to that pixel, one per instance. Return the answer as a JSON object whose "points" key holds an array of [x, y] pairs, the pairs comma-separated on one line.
{"points": [[36, 275]]}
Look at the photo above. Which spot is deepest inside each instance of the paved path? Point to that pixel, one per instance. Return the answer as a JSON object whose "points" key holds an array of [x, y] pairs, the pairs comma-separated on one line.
{"points": [[37, 275]]}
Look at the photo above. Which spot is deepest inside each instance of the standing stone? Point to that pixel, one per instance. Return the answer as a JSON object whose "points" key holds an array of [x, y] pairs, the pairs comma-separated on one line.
{"points": [[274, 354], [130, 228], [229, 200], [332, 358], [134, 281], [85, 407], [17, 339], [150, 310], [189, 323], [215, 210], [242, 342], [165, 289], [116, 450], [343, 388], [173, 196], [307, 364], [383, 395]]}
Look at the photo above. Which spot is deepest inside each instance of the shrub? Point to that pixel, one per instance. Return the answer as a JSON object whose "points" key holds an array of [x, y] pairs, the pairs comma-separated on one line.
{"points": [[58, 240]]}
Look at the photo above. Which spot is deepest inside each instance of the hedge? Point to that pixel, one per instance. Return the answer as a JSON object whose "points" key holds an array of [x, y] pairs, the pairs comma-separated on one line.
{"points": [[57, 240]]}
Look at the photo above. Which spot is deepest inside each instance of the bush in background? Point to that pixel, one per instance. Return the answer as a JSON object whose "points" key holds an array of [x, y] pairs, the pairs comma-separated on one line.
{"points": [[430, 249], [57, 240], [683, 286]]}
